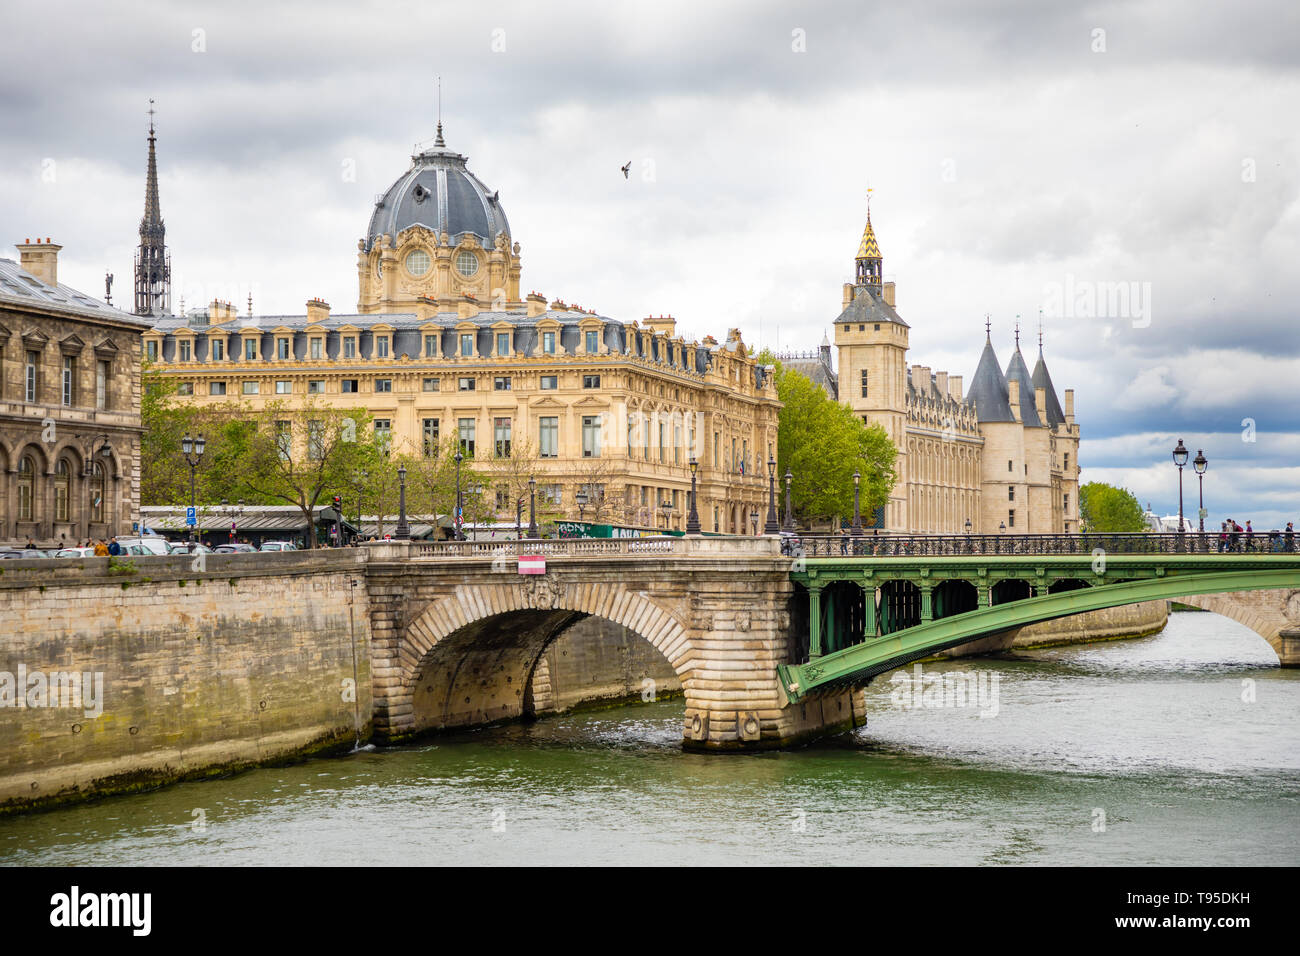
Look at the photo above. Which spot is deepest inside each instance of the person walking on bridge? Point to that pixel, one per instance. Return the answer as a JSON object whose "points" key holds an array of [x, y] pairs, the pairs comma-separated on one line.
{"points": [[1223, 537], [1250, 536], [1288, 538]]}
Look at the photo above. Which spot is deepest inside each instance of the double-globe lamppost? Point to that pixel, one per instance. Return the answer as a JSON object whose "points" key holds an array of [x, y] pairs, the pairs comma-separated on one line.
{"points": [[1180, 459], [1199, 464], [192, 449]]}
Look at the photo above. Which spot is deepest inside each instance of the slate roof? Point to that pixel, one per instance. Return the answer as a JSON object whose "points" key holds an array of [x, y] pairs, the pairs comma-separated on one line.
{"points": [[1018, 371], [1042, 379], [20, 288], [988, 389], [868, 307]]}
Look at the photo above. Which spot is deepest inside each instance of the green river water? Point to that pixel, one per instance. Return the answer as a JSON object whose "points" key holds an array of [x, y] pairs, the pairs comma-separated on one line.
{"points": [[1125, 752]]}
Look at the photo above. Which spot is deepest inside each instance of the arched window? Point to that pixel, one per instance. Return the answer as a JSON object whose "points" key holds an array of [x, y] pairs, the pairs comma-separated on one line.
{"points": [[97, 492], [61, 485], [26, 487]]}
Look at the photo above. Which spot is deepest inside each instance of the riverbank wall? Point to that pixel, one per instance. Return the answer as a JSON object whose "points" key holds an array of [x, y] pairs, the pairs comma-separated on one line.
{"points": [[123, 674]]}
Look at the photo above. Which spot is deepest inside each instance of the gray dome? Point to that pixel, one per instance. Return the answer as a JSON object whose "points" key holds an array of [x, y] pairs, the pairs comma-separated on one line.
{"points": [[440, 193]]}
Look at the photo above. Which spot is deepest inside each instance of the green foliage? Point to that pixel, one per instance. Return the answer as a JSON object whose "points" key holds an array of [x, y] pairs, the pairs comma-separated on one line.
{"points": [[164, 475], [822, 443], [1106, 509]]}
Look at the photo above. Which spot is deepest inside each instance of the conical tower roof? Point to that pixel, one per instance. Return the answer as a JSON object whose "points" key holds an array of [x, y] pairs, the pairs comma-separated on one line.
{"points": [[1042, 379], [988, 389], [1018, 371], [867, 248]]}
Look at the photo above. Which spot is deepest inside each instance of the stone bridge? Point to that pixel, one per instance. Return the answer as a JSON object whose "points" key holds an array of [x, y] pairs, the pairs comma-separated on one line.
{"points": [[770, 649]]}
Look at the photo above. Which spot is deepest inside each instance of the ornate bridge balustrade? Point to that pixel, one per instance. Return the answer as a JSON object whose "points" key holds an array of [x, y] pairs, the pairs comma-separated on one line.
{"points": [[929, 545]]}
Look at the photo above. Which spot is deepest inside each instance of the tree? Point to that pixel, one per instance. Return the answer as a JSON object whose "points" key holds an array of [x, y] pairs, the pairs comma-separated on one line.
{"points": [[164, 474], [822, 443], [1106, 509], [431, 480]]}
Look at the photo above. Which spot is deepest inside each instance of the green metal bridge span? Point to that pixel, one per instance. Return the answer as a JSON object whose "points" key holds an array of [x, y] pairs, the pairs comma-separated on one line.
{"points": [[865, 615]]}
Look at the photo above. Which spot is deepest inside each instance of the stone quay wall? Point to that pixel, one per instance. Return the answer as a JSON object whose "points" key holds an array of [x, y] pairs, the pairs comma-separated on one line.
{"points": [[182, 669]]}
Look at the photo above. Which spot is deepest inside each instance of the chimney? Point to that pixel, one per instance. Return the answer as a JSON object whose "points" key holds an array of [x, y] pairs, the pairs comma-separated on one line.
{"points": [[467, 307], [941, 383], [848, 295], [41, 259], [318, 310], [1013, 396], [219, 311], [889, 295], [921, 378], [426, 307], [1069, 406], [954, 387], [1040, 404], [668, 325], [536, 304]]}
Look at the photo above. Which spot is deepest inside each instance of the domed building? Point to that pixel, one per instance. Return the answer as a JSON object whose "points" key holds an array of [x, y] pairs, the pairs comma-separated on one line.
{"points": [[437, 233]]}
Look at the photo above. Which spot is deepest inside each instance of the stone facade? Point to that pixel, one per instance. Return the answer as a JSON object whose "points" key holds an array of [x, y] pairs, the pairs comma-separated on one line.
{"points": [[69, 407]]}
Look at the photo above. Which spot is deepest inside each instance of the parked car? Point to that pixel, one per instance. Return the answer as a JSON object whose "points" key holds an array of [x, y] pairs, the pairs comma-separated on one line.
{"points": [[28, 553], [75, 553], [144, 546], [278, 546], [234, 549]]}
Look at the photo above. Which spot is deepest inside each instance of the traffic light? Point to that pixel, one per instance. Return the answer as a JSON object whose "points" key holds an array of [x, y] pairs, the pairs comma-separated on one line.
{"points": [[338, 504]]}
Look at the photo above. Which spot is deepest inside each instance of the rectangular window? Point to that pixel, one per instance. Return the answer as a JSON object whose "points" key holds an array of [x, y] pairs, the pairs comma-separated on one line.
{"points": [[677, 444], [550, 382], [316, 350], [548, 437], [1065, 504], [1008, 466], [283, 388], [250, 349], [348, 386], [593, 342], [185, 350], [315, 440], [349, 346], [548, 343], [216, 388], [1011, 519], [151, 351], [1011, 494], [663, 441], [590, 436], [284, 439], [501, 435], [467, 345], [384, 433], [316, 386], [381, 346], [432, 384], [429, 437], [430, 346], [465, 429], [1066, 461], [552, 494], [467, 384], [501, 383], [218, 350], [251, 388], [184, 388], [383, 385], [69, 379], [33, 363], [503, 343], [864, 383], [282, 349], [591, 381]]}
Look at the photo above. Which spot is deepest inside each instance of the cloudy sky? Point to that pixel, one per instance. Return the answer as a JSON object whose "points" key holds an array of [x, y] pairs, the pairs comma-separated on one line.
{"points": [[1131, 169]]}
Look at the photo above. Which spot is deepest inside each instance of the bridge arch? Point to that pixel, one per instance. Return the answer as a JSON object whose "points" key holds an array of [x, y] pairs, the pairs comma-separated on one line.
{"points": [[467, 658]]}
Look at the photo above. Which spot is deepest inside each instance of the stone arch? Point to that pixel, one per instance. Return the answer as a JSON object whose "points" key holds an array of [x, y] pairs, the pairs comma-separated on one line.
{"points": [[466, 659], [1267, 613]]}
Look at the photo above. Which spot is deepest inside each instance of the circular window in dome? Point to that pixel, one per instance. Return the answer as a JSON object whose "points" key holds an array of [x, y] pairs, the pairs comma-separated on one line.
{"points": [[417, 262], [467, 264]]}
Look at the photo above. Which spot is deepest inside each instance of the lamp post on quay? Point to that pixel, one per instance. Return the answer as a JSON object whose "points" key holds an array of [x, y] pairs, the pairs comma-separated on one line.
{"points": [[1199, 464], [771, 527], [403, 530], [532, 507], [693, 519], [1180, 459], [581, 499], [196, 446], [789, 514], [857, 511]]}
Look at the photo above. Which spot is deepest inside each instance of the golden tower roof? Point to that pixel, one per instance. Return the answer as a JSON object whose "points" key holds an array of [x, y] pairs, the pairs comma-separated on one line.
{"points": [[868, 249]]}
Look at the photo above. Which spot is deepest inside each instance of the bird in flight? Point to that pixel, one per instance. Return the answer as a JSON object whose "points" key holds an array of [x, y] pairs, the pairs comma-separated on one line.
{"points": [[626, 168]]}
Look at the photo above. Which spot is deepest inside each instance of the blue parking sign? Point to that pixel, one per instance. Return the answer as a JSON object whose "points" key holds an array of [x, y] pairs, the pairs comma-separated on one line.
{"points": [[190, 518]]}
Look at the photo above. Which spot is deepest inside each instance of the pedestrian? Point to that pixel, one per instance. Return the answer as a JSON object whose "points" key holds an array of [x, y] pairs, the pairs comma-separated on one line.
{"points": [[1250, 536], [101, 549], [1288, 538], [1234, 534], [1223, 537], [844, 542], [114, 549], [30, 542]]}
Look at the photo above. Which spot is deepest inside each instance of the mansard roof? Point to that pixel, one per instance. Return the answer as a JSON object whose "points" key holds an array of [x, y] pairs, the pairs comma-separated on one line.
{"points": [[18, 287], [988, 389], [1042, 379], [869, 307]]}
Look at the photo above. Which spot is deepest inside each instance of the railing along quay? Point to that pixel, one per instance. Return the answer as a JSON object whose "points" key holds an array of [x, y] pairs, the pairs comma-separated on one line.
{"points": [[896, 545], [547, 547]]}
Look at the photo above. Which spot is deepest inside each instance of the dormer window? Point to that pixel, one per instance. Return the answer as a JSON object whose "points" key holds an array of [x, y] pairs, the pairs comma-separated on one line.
{"points": [[430, 346], [185, 350], [250, 349], [282, 348], [381, 346], [349, 346], [593, 341], [151, 351], [548, 343], [467, 345], [218, 350], [316, 348]]}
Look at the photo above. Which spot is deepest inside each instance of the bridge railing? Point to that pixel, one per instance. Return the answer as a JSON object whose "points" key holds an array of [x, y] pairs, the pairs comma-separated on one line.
{"points": [[930, 545], [548, 547]]}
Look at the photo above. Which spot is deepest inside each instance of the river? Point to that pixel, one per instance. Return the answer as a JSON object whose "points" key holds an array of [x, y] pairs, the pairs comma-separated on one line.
{"points": [[1175, 749]]}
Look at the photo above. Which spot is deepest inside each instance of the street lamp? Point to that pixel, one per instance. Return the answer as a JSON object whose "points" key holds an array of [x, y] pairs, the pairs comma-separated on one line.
{"points": [[857, 512], [1180, 459], [771, 527], [458, 519], [968, 541], [532, 507], [693, 519], [667, 509], [1199, 464], [789, 515], [582, 499], [192, 449], [403, 531]]}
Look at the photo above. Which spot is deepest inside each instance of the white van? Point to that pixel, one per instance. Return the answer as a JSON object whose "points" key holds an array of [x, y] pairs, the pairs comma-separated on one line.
{"points": [[146, 545]]}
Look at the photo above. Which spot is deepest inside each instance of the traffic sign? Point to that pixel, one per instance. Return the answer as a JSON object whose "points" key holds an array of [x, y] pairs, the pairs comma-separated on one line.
{"points": [[190, 518], [532, 564]]}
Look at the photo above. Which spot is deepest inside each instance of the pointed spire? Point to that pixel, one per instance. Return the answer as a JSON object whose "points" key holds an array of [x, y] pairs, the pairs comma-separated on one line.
{"points": [[439, 141], [152, 211], [988, 329], [152, 264], [1017, 331], [988, 388]]}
